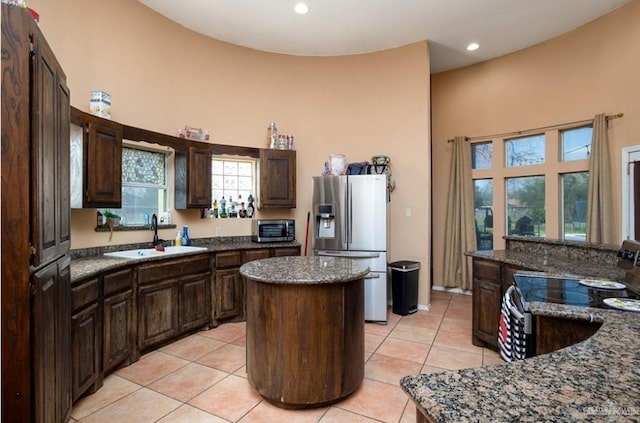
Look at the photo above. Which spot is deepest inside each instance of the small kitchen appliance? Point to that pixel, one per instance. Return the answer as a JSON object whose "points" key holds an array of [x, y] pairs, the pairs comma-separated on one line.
{"points": [[273, 230]]}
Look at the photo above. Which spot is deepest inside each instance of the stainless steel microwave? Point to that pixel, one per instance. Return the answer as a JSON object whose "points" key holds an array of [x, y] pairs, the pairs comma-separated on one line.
{"points": [[273, 230]]}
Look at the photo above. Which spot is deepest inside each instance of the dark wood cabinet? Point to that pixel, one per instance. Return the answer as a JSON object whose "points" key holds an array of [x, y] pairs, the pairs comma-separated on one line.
{"points": [[193, 177], [51, 343], [86, 337], [195, 307], [228, 287], [486, 312], [36, 325], [491, 279], [118, 338], [158, 313], [102, 176], [277, 169], [554, 333], [173, 298]]}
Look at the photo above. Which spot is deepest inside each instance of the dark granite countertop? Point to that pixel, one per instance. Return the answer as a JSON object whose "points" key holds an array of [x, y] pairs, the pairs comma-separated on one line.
{"points": [[595, 380], [91, 261], [584, 267], [304, 270]]}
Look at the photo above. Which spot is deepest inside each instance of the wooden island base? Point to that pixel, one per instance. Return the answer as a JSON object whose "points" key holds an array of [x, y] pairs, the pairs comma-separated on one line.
{"points": [[305, 342]]}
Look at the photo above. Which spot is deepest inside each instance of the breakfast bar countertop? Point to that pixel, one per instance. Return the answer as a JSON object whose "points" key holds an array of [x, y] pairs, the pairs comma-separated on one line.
{"points": [[595, 380], [549, 262]]}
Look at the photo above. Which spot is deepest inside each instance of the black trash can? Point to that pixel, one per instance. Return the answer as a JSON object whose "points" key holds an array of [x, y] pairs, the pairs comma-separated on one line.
{"points": [[404, 286]]}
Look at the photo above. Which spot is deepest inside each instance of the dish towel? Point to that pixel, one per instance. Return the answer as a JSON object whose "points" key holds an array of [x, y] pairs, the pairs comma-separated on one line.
{"points": [[512, 341]]}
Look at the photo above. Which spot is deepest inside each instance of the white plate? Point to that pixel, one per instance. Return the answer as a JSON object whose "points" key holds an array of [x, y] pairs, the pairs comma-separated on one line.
{"points": [[627, 304], [602, 284]]}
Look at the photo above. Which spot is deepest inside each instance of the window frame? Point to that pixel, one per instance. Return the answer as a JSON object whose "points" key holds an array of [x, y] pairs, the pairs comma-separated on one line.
{"points": [[551, 169]]}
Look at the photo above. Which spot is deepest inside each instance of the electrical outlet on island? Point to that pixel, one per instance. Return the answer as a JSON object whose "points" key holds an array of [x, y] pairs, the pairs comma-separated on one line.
{"points": [[218, 231]]}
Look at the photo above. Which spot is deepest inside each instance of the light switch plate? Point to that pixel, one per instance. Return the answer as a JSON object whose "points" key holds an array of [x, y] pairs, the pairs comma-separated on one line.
{"points": [[407, 212]]}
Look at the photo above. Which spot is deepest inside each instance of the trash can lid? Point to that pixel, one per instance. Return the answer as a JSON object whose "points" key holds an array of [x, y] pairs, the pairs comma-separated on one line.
{"points": [[405, 265]]}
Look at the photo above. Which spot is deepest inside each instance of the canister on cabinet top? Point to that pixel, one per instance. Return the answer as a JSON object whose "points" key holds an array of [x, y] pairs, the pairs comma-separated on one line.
{"points": [[100, 104]]}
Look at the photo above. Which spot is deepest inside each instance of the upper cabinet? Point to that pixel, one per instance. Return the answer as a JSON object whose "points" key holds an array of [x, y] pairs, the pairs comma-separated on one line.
{"points": [[277, 179], [193, 177], [96, 161]]}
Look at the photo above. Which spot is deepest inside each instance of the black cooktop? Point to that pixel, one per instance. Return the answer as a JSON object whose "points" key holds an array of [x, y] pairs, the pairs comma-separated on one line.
{"points": [[564, 290]]}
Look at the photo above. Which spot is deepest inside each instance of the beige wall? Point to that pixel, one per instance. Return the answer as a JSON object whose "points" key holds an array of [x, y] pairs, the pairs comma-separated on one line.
{"points": [[162, 76], [591, 70]]}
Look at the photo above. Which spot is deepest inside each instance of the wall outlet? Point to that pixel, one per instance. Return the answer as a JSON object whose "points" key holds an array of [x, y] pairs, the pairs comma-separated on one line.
{"points": [[218, 231], [407, 212]]}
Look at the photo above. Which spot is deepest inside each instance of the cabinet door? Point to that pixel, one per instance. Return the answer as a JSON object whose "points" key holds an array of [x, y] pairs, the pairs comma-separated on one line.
{"points": [[508, 271], [158, 317], [228, 294], [118, 329], [102, 163], [51, 328], [486, 311], [49, 155], [86, 339], [195, 306], [193, 178], [277, 179]]}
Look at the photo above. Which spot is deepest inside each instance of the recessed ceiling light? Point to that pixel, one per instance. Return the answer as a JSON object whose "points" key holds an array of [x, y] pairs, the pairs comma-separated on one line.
{"points": [[473, 46], [301, 8]]}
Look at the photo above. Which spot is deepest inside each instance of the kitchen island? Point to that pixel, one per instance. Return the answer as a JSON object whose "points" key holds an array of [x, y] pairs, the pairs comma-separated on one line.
{"points": [[594, 380], [305, 329]]}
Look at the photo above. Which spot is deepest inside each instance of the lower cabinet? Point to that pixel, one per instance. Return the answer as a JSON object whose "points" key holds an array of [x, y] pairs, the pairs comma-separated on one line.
{"points": [[554, 333], [158, 313], [172, 298], [229, 285], [118, 319], [86, 337], [228, 290], [490, 281]]}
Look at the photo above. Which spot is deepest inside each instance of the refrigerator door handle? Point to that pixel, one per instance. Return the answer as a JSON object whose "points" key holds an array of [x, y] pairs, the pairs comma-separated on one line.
{"points": [[350, 208], [372, 275], [347, 254]]}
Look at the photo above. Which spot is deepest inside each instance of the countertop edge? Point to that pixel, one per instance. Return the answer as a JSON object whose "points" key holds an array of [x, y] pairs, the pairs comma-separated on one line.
{"points": [[554, 380]]}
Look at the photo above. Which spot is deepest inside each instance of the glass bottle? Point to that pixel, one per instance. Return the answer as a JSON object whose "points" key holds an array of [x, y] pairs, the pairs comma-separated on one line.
{"points": [[273, 135], [185, 235], [242, 213], [215, 209], [250, 208], [223, 209]]}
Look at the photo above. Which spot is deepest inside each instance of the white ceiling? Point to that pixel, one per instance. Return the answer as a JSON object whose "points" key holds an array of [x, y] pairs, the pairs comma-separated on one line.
{"points": [[342, 27]]}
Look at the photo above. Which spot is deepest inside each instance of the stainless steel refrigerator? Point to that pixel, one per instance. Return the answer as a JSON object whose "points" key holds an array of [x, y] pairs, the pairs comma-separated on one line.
{"points": [[351, 219]]}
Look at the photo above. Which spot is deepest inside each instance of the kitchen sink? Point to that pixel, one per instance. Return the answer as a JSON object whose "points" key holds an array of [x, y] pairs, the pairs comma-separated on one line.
{"points": [[152, 252]]}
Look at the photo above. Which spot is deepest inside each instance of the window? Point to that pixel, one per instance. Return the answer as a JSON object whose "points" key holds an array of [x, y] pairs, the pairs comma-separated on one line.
{"points": [[525, 151], [576, 143], [481, 155], [574, 205], [532, 185], [483, 203], [525, 206], [144, 185], [233, 179]]}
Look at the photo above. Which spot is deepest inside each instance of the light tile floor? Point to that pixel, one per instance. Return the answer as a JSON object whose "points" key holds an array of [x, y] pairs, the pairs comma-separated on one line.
{"points": [[202, 378]]}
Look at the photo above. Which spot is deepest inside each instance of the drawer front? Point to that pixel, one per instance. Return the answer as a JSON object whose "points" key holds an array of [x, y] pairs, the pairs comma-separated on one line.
{"points": [[288, 251], [174, 268], [250, 255], [118, 281], [228, 259], [487, 270], [85, 293]]}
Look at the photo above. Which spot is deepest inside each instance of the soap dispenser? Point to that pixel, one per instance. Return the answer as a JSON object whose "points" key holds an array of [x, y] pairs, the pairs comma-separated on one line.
{"points": [[178, 241]]}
